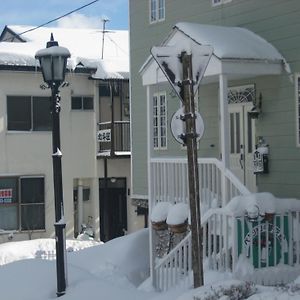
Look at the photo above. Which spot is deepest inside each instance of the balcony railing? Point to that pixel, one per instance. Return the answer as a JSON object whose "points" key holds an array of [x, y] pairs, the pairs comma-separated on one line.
{"points": [[113, 138]]}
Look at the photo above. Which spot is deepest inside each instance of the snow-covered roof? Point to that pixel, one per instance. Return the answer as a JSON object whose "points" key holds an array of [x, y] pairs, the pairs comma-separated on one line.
{"points": [[230, 42], [237, 52], [85, 46]]}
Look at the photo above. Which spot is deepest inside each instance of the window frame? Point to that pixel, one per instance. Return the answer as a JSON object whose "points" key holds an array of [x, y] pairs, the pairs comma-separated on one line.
{"points": [[162, 141], [82, 103], [32, 100], [297, 103], [154, 14], [19, 204]]}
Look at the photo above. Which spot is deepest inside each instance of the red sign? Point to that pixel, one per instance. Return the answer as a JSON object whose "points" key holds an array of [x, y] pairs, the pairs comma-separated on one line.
{"points": [[6, 195]]}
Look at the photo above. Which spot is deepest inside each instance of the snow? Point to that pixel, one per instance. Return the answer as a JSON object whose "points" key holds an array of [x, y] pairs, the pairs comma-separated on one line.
{"points": [[160, 211], [85, 46], [111, 271], [178, 214], [259, 204], [230, 42]]}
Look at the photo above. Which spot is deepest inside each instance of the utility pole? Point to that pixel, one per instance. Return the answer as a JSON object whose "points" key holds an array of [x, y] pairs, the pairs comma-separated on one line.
{"points": [[193, 175], [104, 20]]}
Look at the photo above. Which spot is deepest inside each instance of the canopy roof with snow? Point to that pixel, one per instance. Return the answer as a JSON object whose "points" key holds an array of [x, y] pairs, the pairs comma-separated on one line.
{"points": [[237, 52], [85, 46]]}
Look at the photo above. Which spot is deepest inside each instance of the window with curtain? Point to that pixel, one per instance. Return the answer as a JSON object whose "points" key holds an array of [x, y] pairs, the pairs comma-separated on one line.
{"points": [[22, 203], [27, 113]]}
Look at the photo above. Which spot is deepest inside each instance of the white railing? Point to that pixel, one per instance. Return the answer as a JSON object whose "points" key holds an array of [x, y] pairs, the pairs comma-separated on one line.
{"points": [[175, 267], [169, 182], [264, 242]]}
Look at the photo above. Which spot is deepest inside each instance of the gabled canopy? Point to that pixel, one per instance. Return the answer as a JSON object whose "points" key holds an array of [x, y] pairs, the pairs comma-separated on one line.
{"points": [[238, 52]]}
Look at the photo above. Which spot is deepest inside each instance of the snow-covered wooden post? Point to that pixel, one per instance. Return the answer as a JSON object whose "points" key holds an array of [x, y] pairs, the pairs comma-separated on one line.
{"points": [[184, 67]]}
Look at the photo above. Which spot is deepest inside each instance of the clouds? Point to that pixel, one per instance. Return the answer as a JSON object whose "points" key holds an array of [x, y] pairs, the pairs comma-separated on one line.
{"points": [[77, 20]]}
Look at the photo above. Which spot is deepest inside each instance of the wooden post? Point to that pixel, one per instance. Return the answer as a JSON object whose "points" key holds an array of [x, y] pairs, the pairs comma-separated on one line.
{"points": [[193, 175]]}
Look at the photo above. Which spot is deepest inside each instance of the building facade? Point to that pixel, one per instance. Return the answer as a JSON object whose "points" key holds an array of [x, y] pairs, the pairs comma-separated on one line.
{"points": [[151, 24], [95, 139]]}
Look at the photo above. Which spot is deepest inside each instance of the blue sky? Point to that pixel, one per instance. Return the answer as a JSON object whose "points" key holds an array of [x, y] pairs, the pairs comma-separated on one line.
{"points": [[37, 12]]}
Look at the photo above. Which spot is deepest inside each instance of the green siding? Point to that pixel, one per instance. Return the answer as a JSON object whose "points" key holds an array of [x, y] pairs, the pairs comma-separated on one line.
{"points": [[277, 21]]}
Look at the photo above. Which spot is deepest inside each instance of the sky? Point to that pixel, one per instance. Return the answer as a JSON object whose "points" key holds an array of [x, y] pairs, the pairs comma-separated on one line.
{"points": [[37, 12]]}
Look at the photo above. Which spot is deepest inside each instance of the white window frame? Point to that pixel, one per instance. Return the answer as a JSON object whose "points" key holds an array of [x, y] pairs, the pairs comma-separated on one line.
{"points": [[219, 2], [157, 7], [159, 141], [297, 96]]}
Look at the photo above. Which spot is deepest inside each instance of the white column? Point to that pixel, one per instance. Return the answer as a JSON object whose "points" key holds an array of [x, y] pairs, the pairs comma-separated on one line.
{"points": [[224, 130], [224, 120], [149, 154], [95, 206], [80, 204]]}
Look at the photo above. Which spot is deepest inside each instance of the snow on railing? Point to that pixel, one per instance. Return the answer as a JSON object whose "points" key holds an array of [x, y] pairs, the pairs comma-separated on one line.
{"points": [[175, 267]]}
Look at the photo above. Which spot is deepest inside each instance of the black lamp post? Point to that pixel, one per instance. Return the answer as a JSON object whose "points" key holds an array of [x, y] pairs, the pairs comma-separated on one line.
{"points": [[53, 61]]}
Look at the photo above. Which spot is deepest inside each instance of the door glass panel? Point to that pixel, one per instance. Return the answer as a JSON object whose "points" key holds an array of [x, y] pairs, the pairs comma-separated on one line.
{"points": [[250, 142], [238, 133], [231, 133]]}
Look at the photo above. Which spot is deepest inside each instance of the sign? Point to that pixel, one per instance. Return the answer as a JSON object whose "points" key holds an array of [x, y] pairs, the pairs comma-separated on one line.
{"points": [[255, 238], [178, 126], [168, 59], [104, 135], [6, 196]]}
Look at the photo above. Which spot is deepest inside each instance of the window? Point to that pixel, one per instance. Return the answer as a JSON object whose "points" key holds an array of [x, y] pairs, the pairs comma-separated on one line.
{"points": [[157, 10], [219, 2], [297, 81], [82, 103], [22, 203], [159, 121], [26, 113]]}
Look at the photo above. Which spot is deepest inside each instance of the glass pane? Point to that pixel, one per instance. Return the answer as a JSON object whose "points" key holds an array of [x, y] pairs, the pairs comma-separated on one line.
{"points": [[8, 203], [76, 103], [8, 217], [88, 103], [32, 190], [153, 10], [161, 9], [250, 145], [32, 217], [8, 190], [41, 114], [238, 133], [18, 113], [231, 133]]}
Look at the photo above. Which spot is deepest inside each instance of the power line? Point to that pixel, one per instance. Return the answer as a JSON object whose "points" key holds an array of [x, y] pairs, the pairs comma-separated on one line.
{"points": [[56, 19]]}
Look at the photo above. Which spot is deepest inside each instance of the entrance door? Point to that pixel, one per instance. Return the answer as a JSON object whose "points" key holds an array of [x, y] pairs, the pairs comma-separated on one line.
{"points": [[242, 144], [113, 208]]}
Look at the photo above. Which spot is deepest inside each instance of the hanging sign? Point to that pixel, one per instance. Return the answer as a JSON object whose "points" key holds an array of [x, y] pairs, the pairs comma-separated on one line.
{"points": [[104, 135], [6, 196], [178, 126]]}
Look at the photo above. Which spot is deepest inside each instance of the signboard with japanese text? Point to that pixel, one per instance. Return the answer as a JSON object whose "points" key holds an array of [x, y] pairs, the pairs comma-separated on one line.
{"points": [[104, 135], [6, 196]]}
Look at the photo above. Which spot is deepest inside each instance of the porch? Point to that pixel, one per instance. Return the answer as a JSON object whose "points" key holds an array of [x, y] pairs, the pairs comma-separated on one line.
{"points": [[232, 234]]}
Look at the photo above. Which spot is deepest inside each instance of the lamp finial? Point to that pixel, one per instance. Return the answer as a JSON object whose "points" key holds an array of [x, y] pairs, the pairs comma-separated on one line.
{"points": [[52, 42]]}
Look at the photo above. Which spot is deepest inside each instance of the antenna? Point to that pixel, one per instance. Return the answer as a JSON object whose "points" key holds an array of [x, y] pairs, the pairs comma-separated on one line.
{"points": [[103, 20]]}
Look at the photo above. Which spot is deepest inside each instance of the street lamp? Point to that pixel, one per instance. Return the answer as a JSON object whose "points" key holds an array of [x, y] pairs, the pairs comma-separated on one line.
{"points": [[53, 62]]}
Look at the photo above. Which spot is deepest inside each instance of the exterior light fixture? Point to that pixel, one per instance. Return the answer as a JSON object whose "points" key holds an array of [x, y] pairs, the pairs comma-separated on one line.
{"points": [[256, 109], [53, 62]]}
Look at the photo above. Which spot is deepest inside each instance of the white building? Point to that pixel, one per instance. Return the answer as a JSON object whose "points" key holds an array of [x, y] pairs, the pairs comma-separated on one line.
{"points": [[94, 127]]}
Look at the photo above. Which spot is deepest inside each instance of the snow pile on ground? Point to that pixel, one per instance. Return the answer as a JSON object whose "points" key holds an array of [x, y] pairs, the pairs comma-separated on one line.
{"points": [[39, 248], [113, 271]]}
